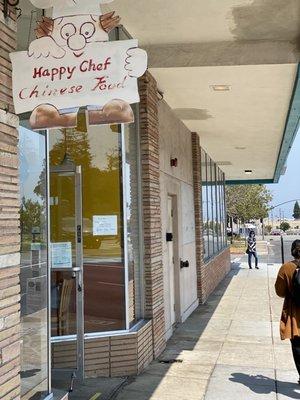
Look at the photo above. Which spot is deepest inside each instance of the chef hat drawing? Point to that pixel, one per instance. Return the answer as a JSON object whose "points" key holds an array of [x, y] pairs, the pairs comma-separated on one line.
{"points": [[71, 7]]}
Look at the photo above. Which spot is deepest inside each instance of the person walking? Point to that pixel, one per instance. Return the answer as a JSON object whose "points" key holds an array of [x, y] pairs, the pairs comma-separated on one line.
{"points": [[251, 249], [290, 316]]}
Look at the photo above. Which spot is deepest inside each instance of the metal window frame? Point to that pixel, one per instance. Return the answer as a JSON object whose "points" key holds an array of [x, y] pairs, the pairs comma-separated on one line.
{"points": [[203, 199], [125, 230], [212, 205], [140, 212], [207, 203], [48, 262], [216, 231], [220, 208], [214, 184]]}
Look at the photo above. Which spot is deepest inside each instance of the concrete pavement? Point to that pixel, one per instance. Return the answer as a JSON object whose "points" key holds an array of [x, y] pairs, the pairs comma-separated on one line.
{"points": [[228, 349]]}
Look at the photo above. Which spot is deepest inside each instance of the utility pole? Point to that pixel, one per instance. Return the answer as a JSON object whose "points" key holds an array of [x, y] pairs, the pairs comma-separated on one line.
{"points": [[231, 229], [279, 217]]}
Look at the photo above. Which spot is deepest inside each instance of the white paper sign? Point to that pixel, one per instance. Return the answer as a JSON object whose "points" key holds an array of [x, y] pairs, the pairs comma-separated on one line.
{"points": [[95, 77], [61, 255], [105, 225]]}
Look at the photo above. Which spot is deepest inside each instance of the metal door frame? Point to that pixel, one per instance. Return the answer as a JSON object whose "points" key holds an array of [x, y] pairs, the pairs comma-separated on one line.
{"points": [[76, 171]]}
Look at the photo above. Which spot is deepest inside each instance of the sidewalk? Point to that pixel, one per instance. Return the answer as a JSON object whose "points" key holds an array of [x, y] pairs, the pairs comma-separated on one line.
{"points": [[228, 349]]}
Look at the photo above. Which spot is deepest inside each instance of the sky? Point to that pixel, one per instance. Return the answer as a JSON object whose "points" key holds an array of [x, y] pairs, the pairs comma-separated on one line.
{"points": [[288, 187]]}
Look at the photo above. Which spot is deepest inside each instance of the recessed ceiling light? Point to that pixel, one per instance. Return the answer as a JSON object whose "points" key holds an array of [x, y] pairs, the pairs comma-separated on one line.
{"points": [[220, 88], [248, 171], [240, 148]]}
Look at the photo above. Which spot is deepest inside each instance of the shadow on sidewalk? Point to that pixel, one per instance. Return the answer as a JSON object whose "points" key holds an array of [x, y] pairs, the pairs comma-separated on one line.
{"points": [[187, 334], [174, 367], [261, 384]]}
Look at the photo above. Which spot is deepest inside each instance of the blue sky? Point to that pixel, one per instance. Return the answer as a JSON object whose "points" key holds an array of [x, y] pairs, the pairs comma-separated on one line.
{"points": [[288, 187]]}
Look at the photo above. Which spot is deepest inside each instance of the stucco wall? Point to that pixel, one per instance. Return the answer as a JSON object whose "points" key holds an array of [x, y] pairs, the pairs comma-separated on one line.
{"points": [[175, 142]]}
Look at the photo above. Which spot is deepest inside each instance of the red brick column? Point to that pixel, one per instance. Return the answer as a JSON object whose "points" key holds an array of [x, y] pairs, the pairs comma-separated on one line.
{"points": [[153, 267], [196, 155], [9, 221]]}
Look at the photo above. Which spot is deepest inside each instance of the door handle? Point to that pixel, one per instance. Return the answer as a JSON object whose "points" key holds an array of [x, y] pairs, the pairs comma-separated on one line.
{"points": [[184, 264], [169, 237]]}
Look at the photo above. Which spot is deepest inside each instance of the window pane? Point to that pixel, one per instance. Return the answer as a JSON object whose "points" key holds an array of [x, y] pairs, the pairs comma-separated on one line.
{"points": [[33, 274], [133, 227], [97, 149], [224, 209], [209, 209], [214, 208], [204, 203]]}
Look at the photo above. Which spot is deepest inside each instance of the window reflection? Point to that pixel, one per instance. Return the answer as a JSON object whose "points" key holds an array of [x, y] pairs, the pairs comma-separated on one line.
{"points": [[213, 207], [97, 149], [33, 274], [133, 198]]}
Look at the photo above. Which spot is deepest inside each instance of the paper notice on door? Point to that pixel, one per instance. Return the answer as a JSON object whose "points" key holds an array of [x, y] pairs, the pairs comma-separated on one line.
{"points": [[61, 255], [105, 225]]}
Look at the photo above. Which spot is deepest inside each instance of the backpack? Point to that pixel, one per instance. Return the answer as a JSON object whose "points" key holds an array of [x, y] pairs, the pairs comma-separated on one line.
{"points": [[296, 287]]}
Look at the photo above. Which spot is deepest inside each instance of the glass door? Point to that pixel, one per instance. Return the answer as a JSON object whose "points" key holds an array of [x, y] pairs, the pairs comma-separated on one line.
{"points": [[67, 329]]}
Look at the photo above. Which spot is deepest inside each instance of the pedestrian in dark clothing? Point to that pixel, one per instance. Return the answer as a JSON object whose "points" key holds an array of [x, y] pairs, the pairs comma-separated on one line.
{"points": [[290, 316], [251, 249]]}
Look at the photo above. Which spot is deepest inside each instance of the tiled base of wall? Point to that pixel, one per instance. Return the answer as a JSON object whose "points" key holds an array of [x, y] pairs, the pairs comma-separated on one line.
{"points": [[214, 271], [112, 356]]}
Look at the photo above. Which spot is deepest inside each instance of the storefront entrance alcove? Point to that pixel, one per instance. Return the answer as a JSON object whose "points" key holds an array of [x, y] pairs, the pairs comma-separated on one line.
{"points": [[81, 231]]}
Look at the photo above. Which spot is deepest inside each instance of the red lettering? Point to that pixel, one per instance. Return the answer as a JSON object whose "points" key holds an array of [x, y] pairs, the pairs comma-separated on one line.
{"points": [[37, 73], [101, 83], [107, 62], [89, 65], [21, 94], [121, 85], [34, 92], [82, 68]]}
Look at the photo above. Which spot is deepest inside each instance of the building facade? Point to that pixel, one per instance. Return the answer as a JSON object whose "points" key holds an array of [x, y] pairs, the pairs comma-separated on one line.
{"points": [[110, 237]]}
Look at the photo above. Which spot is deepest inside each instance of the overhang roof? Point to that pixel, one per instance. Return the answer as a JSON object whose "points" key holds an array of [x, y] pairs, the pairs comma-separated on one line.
{"points": [[249, 47]]}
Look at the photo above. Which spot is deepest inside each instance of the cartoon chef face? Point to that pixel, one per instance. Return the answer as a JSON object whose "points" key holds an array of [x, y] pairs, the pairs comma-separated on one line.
{"points": [[76, 32]]}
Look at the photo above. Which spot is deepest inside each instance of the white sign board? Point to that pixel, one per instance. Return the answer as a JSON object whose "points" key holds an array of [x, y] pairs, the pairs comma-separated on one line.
{"points": [[105, 225], [98, 76], [61, 255]]}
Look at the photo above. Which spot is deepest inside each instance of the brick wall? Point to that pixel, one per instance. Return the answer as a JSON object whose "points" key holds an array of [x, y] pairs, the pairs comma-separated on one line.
{"points": [[9, 221], [109, 356], [153, 268], [130, 354], [196, 156], [214, 271]]}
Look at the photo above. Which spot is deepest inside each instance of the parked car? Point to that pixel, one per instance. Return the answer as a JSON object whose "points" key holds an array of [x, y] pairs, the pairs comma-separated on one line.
{"points": [[277, 232]]}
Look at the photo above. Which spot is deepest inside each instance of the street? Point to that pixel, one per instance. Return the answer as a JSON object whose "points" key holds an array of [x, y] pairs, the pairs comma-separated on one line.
{"points": [[230, 347]]}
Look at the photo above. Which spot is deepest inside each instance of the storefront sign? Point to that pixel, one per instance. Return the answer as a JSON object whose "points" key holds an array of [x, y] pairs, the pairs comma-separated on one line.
{"points": [[61, 255], [98, 75], [72, 64], [105, 225]]}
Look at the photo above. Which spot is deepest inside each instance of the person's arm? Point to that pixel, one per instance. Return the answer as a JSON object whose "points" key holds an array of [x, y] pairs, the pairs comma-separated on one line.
{"points": [[251, 244], [281, 283]]}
